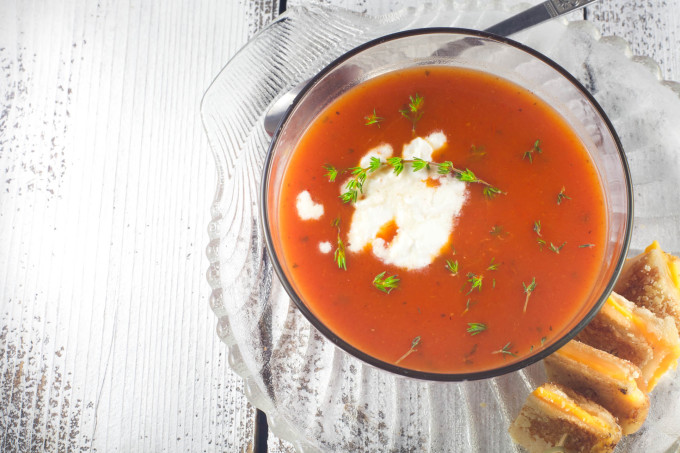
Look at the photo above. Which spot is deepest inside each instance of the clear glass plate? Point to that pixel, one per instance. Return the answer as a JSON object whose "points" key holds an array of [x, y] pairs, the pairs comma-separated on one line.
{"points": [[317, 396]]}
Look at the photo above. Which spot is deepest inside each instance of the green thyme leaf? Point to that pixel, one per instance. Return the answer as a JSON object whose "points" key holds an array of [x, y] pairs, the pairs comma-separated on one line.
{"points": [[475, 282], [419, 164], [530, 153], [386, 284], [537, 227], [397, 163], [331, 172], [452, 266], [412, 349], [528, 289], [339, 254], [505, 350], [475, 328], [445, 167], [467, 176], [490, 192], [492, 266], [562, 196], [413, 112], [373, 118], [555, 249], [374, 164]]}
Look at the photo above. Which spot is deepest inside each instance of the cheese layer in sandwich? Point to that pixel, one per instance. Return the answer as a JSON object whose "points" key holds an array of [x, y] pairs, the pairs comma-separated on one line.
{"points": [[635, 334], [607, 380], [555, 415], [652, 280]]}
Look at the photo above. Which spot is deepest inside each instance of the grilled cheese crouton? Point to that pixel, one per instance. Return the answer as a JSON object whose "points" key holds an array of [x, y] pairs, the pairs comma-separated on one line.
{"points": [[652, 280], [554, 414], [605, 379], [635, 334]]}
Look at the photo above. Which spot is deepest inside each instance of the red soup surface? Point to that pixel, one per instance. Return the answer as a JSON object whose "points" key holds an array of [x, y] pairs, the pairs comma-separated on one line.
{"points": [[519, 259]]}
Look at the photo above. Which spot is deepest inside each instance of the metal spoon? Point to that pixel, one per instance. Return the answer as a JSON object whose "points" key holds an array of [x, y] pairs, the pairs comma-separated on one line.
{"points": [[526, 19]]}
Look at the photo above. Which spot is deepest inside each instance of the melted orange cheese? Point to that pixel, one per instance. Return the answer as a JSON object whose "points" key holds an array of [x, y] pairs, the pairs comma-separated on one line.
{"points": [[566, 406], [589, 359], [605, 367], [652, 246], [670, 360], [639, 323], [623, 311], [673, 267]]}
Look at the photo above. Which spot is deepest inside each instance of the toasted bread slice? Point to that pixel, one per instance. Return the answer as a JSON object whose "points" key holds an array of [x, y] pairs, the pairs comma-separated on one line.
{"points": [[652, 280], [635, 334], [554, 415], [607, 380]]}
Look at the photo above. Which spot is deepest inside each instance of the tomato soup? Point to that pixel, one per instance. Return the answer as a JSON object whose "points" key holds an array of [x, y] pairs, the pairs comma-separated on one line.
{"points": [[442, 219]]}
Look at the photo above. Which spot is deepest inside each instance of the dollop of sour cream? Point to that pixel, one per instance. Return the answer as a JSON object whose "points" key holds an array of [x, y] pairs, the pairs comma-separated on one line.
{"points": [[325, 247], [425, 212], [306, 207]]}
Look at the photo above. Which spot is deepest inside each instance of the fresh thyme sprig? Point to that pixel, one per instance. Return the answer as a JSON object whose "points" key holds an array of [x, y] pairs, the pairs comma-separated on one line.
{"points": [[385, 284], [537, 227], [373, 118], [586, 246], [505, 350], [492, 266], [339, 255], [452, 266], [355, 185], [475, 328], [541, 242], [414, 344], [475, 282], [528, 289], [331, 172], [468, 304], [414, 111], [556, 249], [530, 153], [562, 196], [491, 192]]}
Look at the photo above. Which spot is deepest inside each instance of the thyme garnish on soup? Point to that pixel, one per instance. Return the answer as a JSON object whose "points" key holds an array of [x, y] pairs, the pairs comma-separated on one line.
{"points": [[392, 167]]}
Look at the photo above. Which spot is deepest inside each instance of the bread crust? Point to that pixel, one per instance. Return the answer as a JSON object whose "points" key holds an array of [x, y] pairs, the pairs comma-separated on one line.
{"points": [[540, 426], [646, 280], [620, 396], [654, 350]]}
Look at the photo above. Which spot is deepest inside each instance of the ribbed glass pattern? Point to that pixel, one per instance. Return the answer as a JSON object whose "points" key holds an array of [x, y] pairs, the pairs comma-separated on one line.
{"points": [[316, 395]]}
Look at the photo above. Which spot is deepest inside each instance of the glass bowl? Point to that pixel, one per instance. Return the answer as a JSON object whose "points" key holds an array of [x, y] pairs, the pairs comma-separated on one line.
{"points": [[489, 54]]}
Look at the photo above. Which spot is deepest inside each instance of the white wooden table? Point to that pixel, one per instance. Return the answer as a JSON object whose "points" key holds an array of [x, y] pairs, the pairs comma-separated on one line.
{"points": [[106, 339]]}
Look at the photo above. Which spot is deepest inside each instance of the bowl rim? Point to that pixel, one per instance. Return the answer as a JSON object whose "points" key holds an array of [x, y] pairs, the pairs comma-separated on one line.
{"points": [[428, 375]]}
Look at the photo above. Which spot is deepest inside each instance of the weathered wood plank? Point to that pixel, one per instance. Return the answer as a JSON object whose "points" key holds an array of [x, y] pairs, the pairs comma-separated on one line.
{"points": [[652, 28], [106, 339]]}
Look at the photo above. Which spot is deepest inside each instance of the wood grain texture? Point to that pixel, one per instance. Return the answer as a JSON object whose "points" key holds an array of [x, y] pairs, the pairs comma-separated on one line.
{"points": [[106, 339], [652, 28], [107, 342]]}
